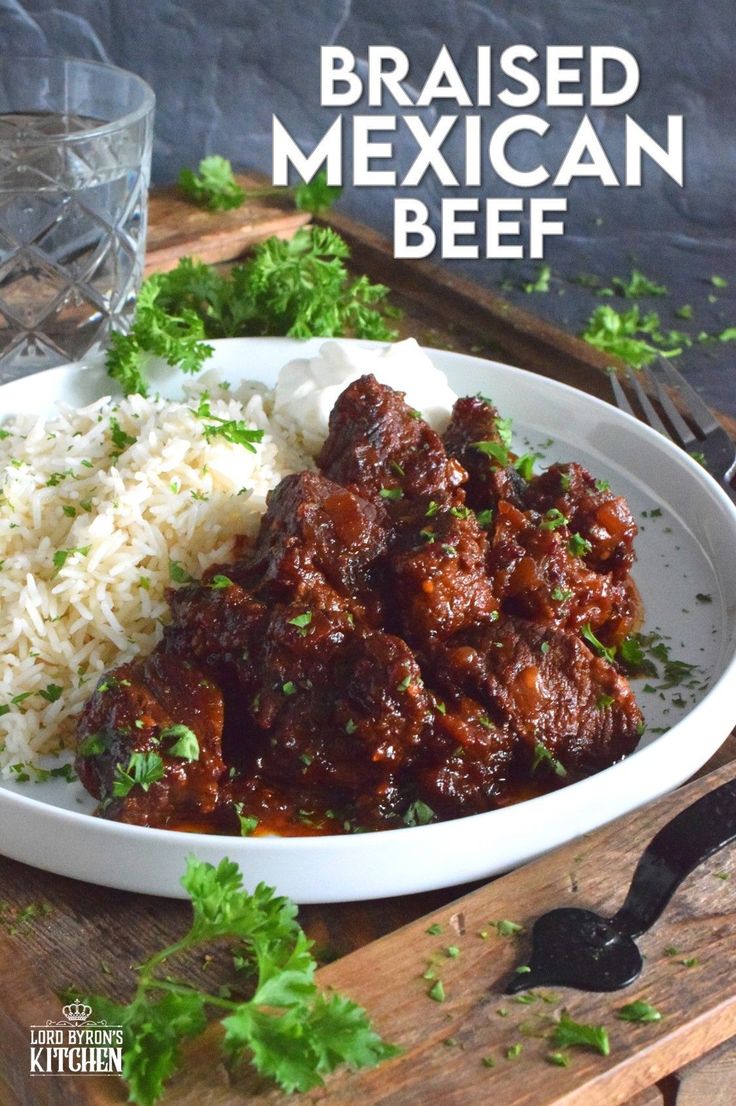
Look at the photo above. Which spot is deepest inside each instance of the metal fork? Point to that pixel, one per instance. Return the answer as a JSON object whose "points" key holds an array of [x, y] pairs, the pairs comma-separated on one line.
{"points": [[705, 439]]}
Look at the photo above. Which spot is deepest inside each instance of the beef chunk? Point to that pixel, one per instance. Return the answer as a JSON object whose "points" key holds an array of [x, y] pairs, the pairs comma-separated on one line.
{"points": [[537, 574], [490, 476], [593, 511], [340, 711], [465, 761], [137, 715], [548, 689], [318, 543], [439, 575], [376, 444]]}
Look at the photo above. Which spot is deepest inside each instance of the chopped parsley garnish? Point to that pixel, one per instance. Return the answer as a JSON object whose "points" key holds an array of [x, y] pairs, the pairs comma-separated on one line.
{"points": [[418, 814], [287, 1029], [404, 684], [603, 701], [635, 338], [561, 595], [391, 493], [495, 450], [435, 929], [61, 556], [302, 622], [542, 755], [248, 824], [638, 1012], [637, 286], [143, 770], [505, 928], [350, 726], [432, 509], [51, 693], [437, 991], [524, 465], [587, 633], [503, 429], [92, 745], [232, 430], [513, 1051], [186, 745], [569, 1033], [553, 519], [541, 282], [289, 688], [579, 546], [559, 1059], [485, 518], [719, 282], [119, 438], [178, 574], [219, 582]]}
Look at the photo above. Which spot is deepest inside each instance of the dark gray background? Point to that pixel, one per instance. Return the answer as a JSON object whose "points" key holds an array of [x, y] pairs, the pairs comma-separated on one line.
{"points": [[221, 69]]}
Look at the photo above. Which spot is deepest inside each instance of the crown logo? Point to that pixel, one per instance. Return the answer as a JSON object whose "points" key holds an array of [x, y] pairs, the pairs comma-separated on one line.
{"points": [[76, 1012]]}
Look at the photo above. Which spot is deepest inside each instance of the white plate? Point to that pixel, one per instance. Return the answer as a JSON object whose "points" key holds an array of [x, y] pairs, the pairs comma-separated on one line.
{"points": [[686, 550]]}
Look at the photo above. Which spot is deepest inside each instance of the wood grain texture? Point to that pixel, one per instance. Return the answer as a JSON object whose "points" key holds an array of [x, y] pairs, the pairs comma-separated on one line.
{"points": [[709, 1081], [178, 228]]}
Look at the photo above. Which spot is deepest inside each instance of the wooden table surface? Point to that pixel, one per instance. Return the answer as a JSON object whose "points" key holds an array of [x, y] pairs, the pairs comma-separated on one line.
{"points": [[91, 935]]}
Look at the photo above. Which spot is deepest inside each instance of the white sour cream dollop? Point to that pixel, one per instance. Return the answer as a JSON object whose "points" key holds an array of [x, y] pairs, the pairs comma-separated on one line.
{"points": [[307, 388]]}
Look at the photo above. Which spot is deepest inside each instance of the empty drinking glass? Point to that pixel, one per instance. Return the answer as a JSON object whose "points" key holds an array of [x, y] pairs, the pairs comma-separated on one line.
{"points": [[75, 154]]}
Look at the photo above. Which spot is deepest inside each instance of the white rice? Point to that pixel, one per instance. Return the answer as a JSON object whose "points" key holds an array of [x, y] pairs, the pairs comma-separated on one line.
{"points": [[169, 496]]}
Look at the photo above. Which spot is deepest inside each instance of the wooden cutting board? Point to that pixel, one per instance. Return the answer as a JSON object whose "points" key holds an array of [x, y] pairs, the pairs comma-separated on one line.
{"points": [[446, 1043]]}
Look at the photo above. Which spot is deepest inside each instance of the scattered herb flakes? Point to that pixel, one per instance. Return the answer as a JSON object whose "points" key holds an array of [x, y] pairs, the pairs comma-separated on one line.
{"points": [[560, 595], [722, 875], [690, 962], [638, 286], [143, 770], [391, 493], [703, 597], [418, 814], [452, 951], [553, 519], [719, 282], [578, 546], [218, 582], [302, 622], [488, 1062], [232, 430], [603, 701], [727, 335], [120, 439], [586, 632], [186, 745], [541, 282], [484, 518], [505, 928], [569, 1034], [559, 1059], [513, 1052], [542, 755], [178, 574], [495, 450], [684, 312], [437, 991], [51, 693], [248, 824], [638, 1011], [404, 684], [289, 688], [434, 930], [523, 969], [635, 338], [61, 556], [92, 745]]}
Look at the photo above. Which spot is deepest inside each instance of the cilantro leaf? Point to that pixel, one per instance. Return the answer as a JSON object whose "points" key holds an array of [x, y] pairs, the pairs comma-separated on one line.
{"points": [[213, 185]]}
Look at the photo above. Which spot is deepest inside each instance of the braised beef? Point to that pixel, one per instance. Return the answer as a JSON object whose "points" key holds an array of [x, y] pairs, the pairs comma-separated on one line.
{"points": [[402, 641]]}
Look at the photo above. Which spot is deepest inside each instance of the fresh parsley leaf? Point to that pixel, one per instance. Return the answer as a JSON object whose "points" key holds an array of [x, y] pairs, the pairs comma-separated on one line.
{"points": [[302, 622], [391, 493], [186, 745], [569, 1033], [505, 928], [219, 582], [287, 1029], [497, 451], [719, 282], [553, 519], [92, 745], [232, 430], [51, 693], [143, 770], [61, 556], [119, 438], [213, 185], [727, 335], [579, 546], [316, 195]]}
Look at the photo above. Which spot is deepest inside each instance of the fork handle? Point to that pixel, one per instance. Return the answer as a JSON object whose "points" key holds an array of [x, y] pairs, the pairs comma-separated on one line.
{"points": [[689, 839]]}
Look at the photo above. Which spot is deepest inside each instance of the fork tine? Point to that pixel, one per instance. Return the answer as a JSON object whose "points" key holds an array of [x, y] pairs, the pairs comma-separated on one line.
{"points": [[682, 430], [651, 415], [696, 408], [622, 400]]}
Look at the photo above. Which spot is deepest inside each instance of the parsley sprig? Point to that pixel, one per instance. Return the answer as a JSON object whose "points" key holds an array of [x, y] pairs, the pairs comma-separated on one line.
{"points": [[637, 339], [287, 1029], [232, 430], [213, 185], [298, 288]]}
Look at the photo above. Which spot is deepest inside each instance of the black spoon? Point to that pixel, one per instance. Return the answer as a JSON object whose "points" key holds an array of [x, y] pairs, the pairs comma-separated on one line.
{"points": [[578, 948]]}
